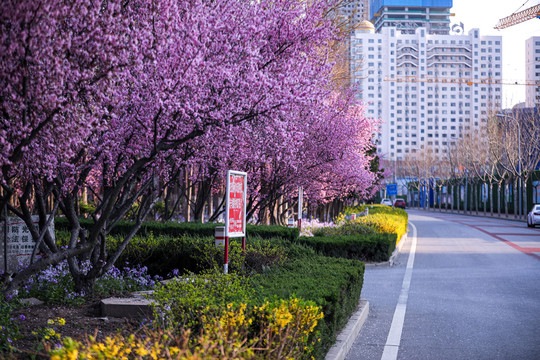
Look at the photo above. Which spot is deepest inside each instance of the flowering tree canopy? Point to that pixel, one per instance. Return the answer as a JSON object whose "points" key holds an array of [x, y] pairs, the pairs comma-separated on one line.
{"points": [[118, 97]]}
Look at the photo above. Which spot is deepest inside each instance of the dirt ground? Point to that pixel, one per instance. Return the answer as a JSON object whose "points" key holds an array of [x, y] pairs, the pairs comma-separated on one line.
{"points": [[81, 321]]}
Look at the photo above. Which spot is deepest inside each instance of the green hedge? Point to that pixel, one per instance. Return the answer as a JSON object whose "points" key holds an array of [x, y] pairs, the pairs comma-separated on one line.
{"points": [[190, 229], [163, 254], [333, 283], [366, 247]]}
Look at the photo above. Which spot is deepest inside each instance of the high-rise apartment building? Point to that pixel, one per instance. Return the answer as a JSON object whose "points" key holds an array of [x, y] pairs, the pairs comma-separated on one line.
{"points": [[532, 71], [408, 15], [354, 10], [427, 88]]}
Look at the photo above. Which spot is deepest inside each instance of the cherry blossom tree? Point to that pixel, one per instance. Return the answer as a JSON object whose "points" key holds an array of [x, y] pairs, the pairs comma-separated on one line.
{"points": [[119, 97]]}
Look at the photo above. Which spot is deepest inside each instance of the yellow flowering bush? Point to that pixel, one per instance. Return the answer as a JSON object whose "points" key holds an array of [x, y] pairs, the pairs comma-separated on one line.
{"points": [[386, 223], [275, 330], [154, 345], [286, 327], [381, 218]]}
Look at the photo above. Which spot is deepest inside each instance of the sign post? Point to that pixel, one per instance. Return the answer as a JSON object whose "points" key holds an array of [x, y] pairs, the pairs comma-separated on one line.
{"points": [[300, 206], [391, 190], [235, 211]]}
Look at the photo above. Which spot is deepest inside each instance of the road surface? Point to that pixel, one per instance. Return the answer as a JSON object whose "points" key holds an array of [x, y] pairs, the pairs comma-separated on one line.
{"points": [[464, 287]]}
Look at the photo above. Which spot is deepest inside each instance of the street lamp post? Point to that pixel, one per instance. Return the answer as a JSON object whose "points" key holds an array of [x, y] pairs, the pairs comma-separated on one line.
{"points": [[519, 160]]}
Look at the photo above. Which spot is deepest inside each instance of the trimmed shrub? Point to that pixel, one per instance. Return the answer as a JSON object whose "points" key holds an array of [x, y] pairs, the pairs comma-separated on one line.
{"points": [[368, 247], [333, 283], [189, 229], [164, 254], [225, 306], [348, 228], [182, 303], [272, 231]]}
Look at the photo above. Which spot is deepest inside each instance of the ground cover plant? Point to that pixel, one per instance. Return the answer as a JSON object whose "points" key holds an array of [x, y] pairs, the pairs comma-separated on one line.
{"points": [[9, 325], [55, 287]]}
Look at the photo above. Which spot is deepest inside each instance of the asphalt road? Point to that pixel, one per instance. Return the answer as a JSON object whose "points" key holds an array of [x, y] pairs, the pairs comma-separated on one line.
{"points": [[464, 288]]}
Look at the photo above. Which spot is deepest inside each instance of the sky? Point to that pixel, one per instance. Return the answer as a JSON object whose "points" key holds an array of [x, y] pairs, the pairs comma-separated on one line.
{"points": [[484, 15]]}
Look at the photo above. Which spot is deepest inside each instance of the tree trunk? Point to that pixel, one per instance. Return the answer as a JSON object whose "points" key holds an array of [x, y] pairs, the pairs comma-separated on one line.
{"points": [[201, 198], [516, 199], [84, 285], [459, 198], [477, 198], [329, 212], [506, 195], [524, 203], [499, 202], [490, 198], [210, 204], [451, 188]]}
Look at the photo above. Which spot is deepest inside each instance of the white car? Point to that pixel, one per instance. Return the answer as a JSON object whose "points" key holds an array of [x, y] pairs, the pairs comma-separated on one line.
{"points": [[533, 218], [386, 202]]}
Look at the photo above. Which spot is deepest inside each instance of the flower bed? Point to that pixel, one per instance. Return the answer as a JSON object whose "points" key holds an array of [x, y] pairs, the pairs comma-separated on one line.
{"points": [[280, 283]]}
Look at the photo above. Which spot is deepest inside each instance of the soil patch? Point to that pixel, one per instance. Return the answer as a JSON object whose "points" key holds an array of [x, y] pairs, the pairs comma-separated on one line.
{"points": [[81, 321]]}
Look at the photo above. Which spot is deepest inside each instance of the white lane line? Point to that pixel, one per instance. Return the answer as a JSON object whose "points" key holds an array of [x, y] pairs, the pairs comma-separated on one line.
{"points": [[394, 335]]}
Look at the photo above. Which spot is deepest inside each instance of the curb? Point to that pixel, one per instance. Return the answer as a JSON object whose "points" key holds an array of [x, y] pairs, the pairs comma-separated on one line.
{"points": [[347, 336]]}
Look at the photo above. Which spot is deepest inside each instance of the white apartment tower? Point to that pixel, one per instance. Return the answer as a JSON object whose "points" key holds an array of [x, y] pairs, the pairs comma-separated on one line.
{"points": [[427, 88], [532, 71]]}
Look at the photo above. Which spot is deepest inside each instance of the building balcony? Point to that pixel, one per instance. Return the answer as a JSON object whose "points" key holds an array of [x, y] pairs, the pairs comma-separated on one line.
{"points": [[414, 64], [448, 62], [412, 55], [439, 56], [456, 46]]}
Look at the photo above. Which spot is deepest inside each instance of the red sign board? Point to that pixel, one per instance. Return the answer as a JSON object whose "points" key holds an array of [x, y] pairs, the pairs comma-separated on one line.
{"points": [[235, 217]]}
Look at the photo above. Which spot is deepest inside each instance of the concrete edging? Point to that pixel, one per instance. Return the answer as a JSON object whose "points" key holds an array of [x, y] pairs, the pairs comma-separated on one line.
{"points": [[347, 336]]}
